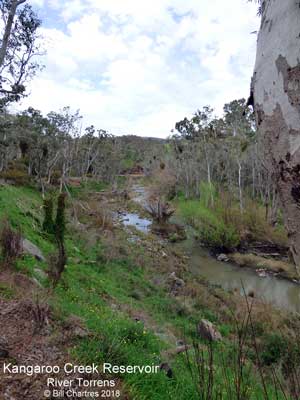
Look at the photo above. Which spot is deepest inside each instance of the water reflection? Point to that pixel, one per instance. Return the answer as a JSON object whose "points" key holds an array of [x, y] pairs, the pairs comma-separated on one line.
{"points": [[279, 293], [141, 224]]}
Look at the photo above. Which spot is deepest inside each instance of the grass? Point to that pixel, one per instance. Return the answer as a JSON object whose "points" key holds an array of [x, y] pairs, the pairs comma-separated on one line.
{"points": [[284, 269], [6, 291], [88, 185], [221, 224], [212, 229], [106, 292]]}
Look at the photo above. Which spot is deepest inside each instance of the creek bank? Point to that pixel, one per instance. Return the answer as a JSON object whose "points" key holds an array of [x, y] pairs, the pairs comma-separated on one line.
{"points": [[261, 279], [265, 266]]}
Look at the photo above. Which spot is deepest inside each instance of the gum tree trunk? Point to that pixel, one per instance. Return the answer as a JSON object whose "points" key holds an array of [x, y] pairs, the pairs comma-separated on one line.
{"points": [[8, 27], [276, 95]]}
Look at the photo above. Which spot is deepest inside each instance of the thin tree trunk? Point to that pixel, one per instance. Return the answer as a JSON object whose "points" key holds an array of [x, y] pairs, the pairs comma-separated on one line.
{"points": [[240, 187], [8, 27]]}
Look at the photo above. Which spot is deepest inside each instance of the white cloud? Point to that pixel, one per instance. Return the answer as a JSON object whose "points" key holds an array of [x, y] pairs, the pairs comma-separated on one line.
{"points": [[138, 67]]}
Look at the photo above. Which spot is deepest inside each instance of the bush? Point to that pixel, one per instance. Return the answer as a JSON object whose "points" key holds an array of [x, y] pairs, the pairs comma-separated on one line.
{"points": [[58, 261], [218, 235], [60, 224], [274, 348], [55, 178], [48, 224], [211, 227], [18, 177], [11, 244]]}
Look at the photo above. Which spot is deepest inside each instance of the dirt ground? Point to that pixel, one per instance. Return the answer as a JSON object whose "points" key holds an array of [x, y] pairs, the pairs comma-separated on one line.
{"points": [[30, 336]]}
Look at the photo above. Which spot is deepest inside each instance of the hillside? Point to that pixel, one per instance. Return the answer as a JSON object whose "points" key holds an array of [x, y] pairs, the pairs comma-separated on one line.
{"points": [[127, 298]]}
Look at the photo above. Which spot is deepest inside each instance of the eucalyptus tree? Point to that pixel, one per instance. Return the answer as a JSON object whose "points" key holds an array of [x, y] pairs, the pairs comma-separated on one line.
{"points": [[67, 127], [18, 48], [275, 94]]}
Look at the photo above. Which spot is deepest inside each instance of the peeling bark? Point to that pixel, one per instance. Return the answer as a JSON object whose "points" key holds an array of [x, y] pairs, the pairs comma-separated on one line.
{"points": [[276, 90]]}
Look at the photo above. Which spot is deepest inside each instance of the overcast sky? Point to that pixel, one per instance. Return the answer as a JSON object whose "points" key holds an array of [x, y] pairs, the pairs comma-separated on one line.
{"points": [[138, 66]]}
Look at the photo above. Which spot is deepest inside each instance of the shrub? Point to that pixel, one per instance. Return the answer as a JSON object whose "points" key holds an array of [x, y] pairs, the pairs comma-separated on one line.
{"points": [[208, 194], [55, 178], [48, 224], [58, 261], [19, 177], [211, 227], [218, 235], [275, 347], [60, 224], [11, 244]]}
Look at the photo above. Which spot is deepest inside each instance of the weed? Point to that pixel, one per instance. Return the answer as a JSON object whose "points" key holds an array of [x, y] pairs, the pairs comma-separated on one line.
{"points": [[11, 244]]}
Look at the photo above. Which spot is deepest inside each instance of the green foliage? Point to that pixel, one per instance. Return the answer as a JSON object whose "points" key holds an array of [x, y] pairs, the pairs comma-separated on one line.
{"points": [[220, 223], [208, 194], [60, 223], [274, 348], [17, 176], [86, 186], [17, 65], [48, 224], [22, 207], [211, 227], [100, 291], [218, 235], [6, 291], [11, 244], [57, 262]]}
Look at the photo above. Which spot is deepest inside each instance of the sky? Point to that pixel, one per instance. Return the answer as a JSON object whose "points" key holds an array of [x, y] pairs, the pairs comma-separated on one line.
{"points": [[139, 66]]}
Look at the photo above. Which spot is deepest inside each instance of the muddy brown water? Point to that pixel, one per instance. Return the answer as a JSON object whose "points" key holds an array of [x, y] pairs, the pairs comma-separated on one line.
{"points": [[270, 289]]}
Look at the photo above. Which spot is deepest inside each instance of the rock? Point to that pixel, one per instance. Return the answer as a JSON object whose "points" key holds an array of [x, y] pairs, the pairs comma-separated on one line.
{"points": [[261, 273], [41, 274], [182, 349], [3, 342], [80, 332], [4, 353], [206, 330], [222, 257], [168, 354], [75, 325], [175, 282], [166, 367], [33, 250]]}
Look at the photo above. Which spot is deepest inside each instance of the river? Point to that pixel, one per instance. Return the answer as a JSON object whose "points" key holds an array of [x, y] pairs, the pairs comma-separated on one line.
{"points": [[270, 289]]}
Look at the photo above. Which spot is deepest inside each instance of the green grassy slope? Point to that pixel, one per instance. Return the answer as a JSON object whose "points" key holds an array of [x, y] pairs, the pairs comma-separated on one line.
{"points": [[106, 293]]}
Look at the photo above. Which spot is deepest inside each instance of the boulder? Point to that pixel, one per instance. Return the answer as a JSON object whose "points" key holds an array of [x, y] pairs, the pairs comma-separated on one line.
{"points": [[167, 369], [175, 282], [206, 330], [32, 249], [222, 257], [41, 274], [74, 324], [261, 273], [80, 332]]}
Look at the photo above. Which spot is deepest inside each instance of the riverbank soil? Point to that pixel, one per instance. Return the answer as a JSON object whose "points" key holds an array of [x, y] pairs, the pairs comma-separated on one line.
{"points": [[31, 335]]}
